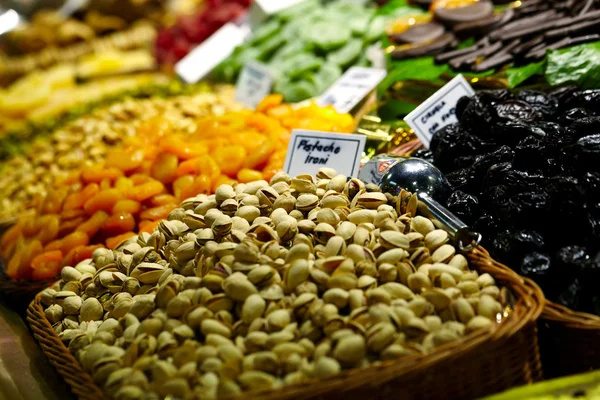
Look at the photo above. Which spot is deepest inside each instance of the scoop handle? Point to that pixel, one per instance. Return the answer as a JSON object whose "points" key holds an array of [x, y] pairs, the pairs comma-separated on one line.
{"points": [[464, 237]]}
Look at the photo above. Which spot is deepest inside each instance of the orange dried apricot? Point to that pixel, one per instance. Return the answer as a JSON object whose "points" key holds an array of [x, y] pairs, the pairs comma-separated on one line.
{"points": [[230, 159], [248, 175], [162, 199], [118, 223], [113, 242], [202, 184], [73, 240], [104, 200], [93, 224], [78, 199], [125, 160], [145, 190], [160, 212], [97, 173], [181, 183], [164, 168], [148, 226], [128, 206], [260, 156]]}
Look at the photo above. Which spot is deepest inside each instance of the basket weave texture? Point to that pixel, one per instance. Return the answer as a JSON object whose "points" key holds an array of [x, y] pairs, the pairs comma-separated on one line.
{"points": [[569, 340], [484, 363]]}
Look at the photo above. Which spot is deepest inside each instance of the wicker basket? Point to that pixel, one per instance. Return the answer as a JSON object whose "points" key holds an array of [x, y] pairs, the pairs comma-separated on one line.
{"points": [[569, 341], [486, 363]]}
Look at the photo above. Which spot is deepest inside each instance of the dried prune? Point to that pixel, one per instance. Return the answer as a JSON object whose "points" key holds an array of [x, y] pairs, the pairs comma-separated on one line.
{"points": [[527, 154], [485, 161], [477, 116], [493, 97], [513, 246], [584, 154], [544, 103], [571, 259], [575, 114], [571, 295], [517, 110], [464, 206], [586, 125], [424, 154], [452, 143], [563, 94], [590, 182], [461, 106], [530, 208], [511, 132], [461, 179], [536, 266], [586, 98]]}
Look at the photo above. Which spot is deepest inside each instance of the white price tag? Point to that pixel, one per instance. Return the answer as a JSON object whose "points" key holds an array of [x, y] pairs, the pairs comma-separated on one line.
{"points": [[254, 84], [310, 151], [260, 10], [439, 110], [205, 57], [351, 88]]}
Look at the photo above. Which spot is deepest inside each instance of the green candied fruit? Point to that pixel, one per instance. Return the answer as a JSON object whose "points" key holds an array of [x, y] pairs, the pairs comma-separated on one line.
{"points": [[347, 54], [327, 37]]}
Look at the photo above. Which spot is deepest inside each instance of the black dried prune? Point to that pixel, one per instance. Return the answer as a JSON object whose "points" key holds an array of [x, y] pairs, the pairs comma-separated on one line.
{"points": [[511, 246], [497, 196], [517, 110], [586, 126], [485, 161], [424, 154], [575, 114], [590, 182], [488, 224], [510, 133], [537, 266], [461, 179], [532, 209], [544, 103], [451, 144], [477, 116], [515, 180], [586, 99], [464, 206], [563, 94], [584, 154], [528, 154], [570, 260], [461, 105], [571, 295], [493, 97]]}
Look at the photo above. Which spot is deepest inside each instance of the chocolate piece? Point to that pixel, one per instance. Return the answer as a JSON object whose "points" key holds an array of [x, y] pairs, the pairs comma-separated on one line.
{"points": [[528, 45], [537, 28], [484, 25], [474, 12], [420, 33], [523, 23], [441, 58], [492, 62], [419, 50], [586, 7], [469, 59], [592, 26]]}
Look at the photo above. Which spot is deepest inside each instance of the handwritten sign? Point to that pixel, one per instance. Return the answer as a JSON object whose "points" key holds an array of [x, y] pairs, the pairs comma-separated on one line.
{"points": [[310, 151], [205, 57], [351, 88], [254, 84], [260, 10], [439, 110]]}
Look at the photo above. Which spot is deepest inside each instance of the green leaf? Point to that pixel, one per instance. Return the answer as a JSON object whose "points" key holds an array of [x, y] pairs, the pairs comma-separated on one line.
{"points": [[518, 75], [422, 68], [579, 65], [397, 8]]}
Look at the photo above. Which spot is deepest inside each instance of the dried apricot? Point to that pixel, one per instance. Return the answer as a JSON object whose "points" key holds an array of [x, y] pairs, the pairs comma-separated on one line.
{"points": [[78, 199], [99, 172], [181, 183], [230, 159], [118, 223], [125, 160], [248, 175], [93, 225], [104, 200], [162, 199], [128, 206], [160, 212], [164, 168], [260, 156], [148, 226], [113, 242], [73, 240], [145, 190], [202, 184]]}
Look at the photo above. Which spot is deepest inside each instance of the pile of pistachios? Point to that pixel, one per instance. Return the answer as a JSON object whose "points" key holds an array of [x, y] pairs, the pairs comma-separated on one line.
{"points": [[263, 285]]}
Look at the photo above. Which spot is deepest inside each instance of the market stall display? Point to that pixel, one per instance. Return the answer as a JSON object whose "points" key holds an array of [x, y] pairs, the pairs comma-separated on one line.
{"points": [[136, 186], [305, 62], [175, 42], [226, 298]]}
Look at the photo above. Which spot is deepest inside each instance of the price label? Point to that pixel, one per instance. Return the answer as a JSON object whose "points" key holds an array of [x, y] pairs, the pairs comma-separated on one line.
{"points": [[205, 57], [254, 84], [351, 88], [439, 110], [263, 9], [309, 151]]}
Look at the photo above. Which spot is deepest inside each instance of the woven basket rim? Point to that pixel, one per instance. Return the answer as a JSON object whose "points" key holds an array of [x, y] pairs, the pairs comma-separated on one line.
{"points": [[529, 306], [574, 319]]}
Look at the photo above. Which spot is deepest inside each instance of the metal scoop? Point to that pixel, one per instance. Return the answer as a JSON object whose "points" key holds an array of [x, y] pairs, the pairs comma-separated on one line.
{"points": [[423, 178]]}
